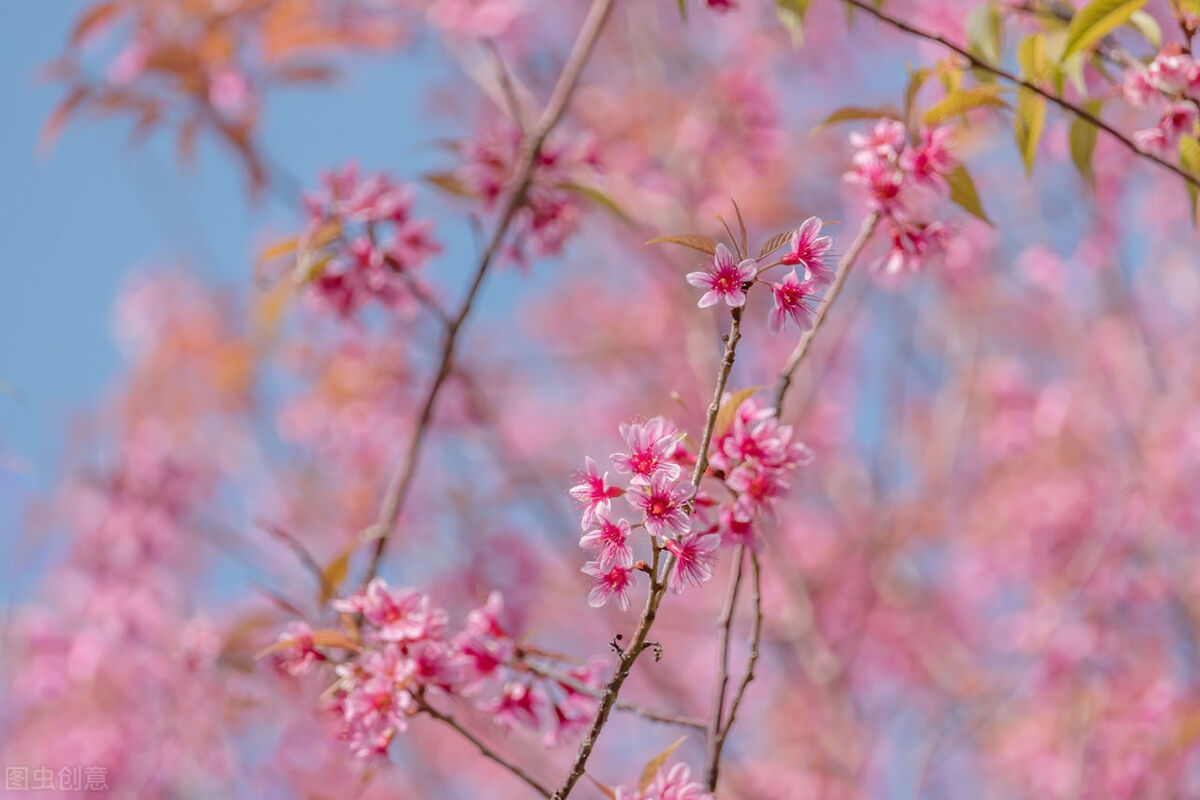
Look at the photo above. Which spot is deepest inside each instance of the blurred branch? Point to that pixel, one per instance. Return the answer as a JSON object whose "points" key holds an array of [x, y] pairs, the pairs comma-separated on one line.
{"points": [[751, 662], [632, 708], [978, 63], [484, 750], [835, 288], [724, 625], [658, 580], [401, 482]]}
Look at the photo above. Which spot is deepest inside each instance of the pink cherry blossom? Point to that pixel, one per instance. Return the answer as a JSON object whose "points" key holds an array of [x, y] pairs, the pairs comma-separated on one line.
{"points": [[1153, 140], [663, 503], [609, 538], [885, 141], [791, 297], [758, 488], [913, 246], [724, 279], [594, 492], [651, 445], [608, 583], [517, 705], [694, 557], [930, 159], [808, 249], [398, 615], [300, 656]]}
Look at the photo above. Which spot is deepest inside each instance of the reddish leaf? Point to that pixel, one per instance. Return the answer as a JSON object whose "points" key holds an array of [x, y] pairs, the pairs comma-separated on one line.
{"points": [[695, 241], [92, 20]]}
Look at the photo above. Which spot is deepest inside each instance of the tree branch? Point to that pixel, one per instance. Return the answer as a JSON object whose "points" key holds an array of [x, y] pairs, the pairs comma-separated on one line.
{"points": [[632, 708], [978, 63], [484, 750], [658, 581], [748, 677], [724, 626], [835, 288], [401, 482]]}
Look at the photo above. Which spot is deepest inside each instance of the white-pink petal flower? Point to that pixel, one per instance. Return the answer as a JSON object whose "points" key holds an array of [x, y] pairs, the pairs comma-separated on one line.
{"points": [[724, 279]]}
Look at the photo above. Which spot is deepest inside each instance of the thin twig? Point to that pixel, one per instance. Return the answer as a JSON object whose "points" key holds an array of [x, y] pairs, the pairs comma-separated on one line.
{"points": [[507, 87], [658, 580], [398, 487], [979, 63], [724, 626], [835, 288], [719, 729], [751, 663], [302, 553], [484, 750], [650, 714]]}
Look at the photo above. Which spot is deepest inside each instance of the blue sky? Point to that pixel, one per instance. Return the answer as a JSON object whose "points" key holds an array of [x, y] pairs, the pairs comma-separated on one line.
{"points": [[77, 221]]}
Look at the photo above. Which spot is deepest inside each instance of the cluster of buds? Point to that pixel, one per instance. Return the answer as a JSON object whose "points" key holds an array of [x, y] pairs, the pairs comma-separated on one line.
{"points": [[362, 244], [894, 172], [396, 653], [1172, 80]]}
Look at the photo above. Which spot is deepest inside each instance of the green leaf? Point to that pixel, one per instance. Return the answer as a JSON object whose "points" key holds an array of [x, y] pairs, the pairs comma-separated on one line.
{"points": [[683, 10], [961, 101], [656, 763], [916, 79], [1083, 142], [985, 32], [1096, 20], [1027, 125], [963, 192], [1031, 55], [1189, 159], [728, 408], [598, 197], [855, 113], [1148, 27], [448, 182], [791, 14], [695, 241]]}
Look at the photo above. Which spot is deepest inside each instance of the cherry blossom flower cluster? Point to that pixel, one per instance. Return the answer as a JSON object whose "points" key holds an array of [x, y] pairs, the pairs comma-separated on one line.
{"points": [[404, 654], [657, 494], [896, 174], [555, 199], [1171, 81], [751, 460], [668, 784], [728, 278], [362, 244]]}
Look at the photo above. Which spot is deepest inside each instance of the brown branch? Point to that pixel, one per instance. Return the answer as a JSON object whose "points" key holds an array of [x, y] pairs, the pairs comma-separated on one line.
{"points": [[724, 626], [658, 580], [731, 343], [401, 482], [642, 711], [835, 288], [979, 63], [751, 663], [484, 750]]}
